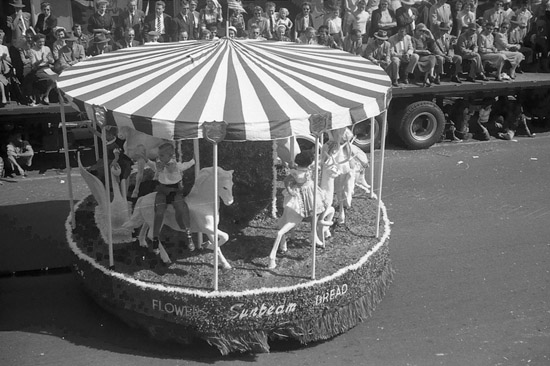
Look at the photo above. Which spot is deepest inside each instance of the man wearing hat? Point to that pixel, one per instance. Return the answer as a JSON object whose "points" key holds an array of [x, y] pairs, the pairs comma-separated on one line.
{"points": [[100, 45], [406, 16], [101, 19], [467, 49], [378, 52], [18, 22], [70, 54], [445, 53], [440, 12]]}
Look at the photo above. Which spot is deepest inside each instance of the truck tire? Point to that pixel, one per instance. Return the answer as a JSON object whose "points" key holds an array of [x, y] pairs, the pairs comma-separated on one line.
{"points": [[421, 125], [361, 131]]}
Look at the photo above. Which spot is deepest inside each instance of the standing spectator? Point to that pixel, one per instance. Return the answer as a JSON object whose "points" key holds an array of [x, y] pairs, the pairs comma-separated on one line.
{"points": [[456, 9], [5, 70], [406, 16], [496, 14], [183, 20], [195, 19], [378, 52], [100, 45], [523, 15], [488, 52], [334, 23], [384, 19], [18, 22], [465, 17], [445, 53], [439, 13], [159, 22], [81, 38], [128, 40], [507, 10], [237, 21], [46, 22], [402, 51], [353, 43], [511, 51], [285, 20], [70, 54], [211, 16], [133, 18], [20, 152], [467, 48], [360, 20], [101, 20], [303, 20], [325, 39], [308, 37], [259, 21], [272, 17], [372, 5], [424, 47], [41, 60]]}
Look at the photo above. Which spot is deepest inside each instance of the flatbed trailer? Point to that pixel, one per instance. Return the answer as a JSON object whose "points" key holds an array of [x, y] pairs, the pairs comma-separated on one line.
{"points": [[415, 113]]}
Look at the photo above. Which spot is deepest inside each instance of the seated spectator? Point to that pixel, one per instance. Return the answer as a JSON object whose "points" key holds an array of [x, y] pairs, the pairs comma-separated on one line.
{"points": [[41, 60], [231, 32], [100, 45], [6, 70], [81, 38], [378, 51], [488, 52], [213, 33], [445, 53], [517, 34], [260, 22], [353, 43], [69, 55], [308, 37], [206, 35], [152, 37], [281, 33], [183, 36], [128, 40], [402, 51], [25, 55], [19, 153], [384, 19], [303, 21], [59, 42], [254, 32], [511, 51], [325, 39], [467, 48], [424, 47]]}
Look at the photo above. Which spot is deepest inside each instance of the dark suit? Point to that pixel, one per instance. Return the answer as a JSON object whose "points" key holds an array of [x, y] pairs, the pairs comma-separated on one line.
{"points": [[46, 28], [94, 51], [137, 24], [376, 16], [181, 24], [404, 19], [97, 21], [151, 25]]}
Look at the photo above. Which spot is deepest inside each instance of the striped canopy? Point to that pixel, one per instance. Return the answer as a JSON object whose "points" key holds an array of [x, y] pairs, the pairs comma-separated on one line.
{"points": [[263, 90]]}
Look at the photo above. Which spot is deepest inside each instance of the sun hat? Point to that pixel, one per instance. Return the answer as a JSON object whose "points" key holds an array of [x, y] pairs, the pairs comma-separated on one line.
{"points": [[17, 3], [382, 35], [100, 38], [444, 26]]}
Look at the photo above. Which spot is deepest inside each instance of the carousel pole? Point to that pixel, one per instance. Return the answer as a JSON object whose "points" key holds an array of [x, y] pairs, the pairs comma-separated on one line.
{"points": [[381, 171], [372, 122], [96, 144], [196, 155], [216, 204], [314, 215], [67, 160]]}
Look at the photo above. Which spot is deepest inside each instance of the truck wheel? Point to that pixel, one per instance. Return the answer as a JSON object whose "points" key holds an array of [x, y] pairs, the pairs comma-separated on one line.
{"points": [[421, 125], [361, 131]]}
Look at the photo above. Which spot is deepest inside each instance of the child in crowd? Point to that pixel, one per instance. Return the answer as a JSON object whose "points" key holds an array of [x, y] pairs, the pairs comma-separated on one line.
{"points": [[334, 24], [237, 20], [285, 20], [20, 152], [170, 191]]}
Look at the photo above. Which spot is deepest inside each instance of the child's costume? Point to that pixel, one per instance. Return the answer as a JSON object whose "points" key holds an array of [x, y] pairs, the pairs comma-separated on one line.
{"points": [[169, 176], [300, 182]]}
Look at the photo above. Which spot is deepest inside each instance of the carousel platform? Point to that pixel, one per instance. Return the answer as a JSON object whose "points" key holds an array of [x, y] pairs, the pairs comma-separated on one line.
{"points": [[253, 304]]}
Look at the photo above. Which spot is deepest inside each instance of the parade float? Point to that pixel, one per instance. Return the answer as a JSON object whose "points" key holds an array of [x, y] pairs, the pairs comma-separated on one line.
{"points": [[237, 108]]}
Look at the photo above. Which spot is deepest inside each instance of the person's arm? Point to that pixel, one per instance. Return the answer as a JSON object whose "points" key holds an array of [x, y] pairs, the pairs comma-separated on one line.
{"points": [[28, 150], [186, 165]]}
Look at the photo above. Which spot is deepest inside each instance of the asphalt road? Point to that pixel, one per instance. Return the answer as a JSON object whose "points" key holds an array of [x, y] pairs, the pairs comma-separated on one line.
{"points": [[470, 246]]}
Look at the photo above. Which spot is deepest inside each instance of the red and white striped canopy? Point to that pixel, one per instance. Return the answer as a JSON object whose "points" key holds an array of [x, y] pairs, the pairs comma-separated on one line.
{"points": [[263, 90]]}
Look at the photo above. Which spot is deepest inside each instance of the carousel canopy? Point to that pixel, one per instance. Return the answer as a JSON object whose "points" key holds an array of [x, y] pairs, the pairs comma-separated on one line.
{"points": [[263, 90]]}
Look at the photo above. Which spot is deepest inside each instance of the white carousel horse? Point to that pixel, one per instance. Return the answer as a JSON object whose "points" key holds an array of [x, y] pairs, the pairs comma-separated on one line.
{"points": [[290, 220], [200, 202], [119, 206], [140, 147]]}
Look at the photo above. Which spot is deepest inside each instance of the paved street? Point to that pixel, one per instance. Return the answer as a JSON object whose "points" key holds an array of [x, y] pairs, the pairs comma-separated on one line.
{"points": [[470, 246]]}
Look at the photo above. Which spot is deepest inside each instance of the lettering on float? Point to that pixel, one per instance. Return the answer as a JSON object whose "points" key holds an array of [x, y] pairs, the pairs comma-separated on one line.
{"points": [[331, 295], [178, 309], [241, 312]]}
